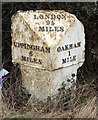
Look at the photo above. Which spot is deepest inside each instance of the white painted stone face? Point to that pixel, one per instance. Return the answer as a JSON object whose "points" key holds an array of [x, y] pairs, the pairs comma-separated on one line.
{"points": [[49, 46]]}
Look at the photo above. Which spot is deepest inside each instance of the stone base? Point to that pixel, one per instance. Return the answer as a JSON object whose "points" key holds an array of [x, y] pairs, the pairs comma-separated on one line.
{"points": [[43, 83]]}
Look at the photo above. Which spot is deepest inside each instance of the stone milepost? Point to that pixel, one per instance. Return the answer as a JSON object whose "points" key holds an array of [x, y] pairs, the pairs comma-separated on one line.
{"points": [[50, 47]]}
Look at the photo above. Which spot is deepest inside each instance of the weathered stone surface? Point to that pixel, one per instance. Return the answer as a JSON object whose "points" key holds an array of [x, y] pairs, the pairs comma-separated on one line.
{"points": [[49, 46], [43, 83]]}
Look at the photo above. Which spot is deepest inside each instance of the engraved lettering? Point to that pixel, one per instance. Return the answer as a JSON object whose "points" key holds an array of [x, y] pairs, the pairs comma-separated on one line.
{"points": [[69, 47], [32, 47], [69, 59], [32, 60]]}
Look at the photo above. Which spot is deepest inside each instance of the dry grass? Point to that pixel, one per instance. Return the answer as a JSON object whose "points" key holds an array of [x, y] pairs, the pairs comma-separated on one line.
{"points": [[81, 105]]}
